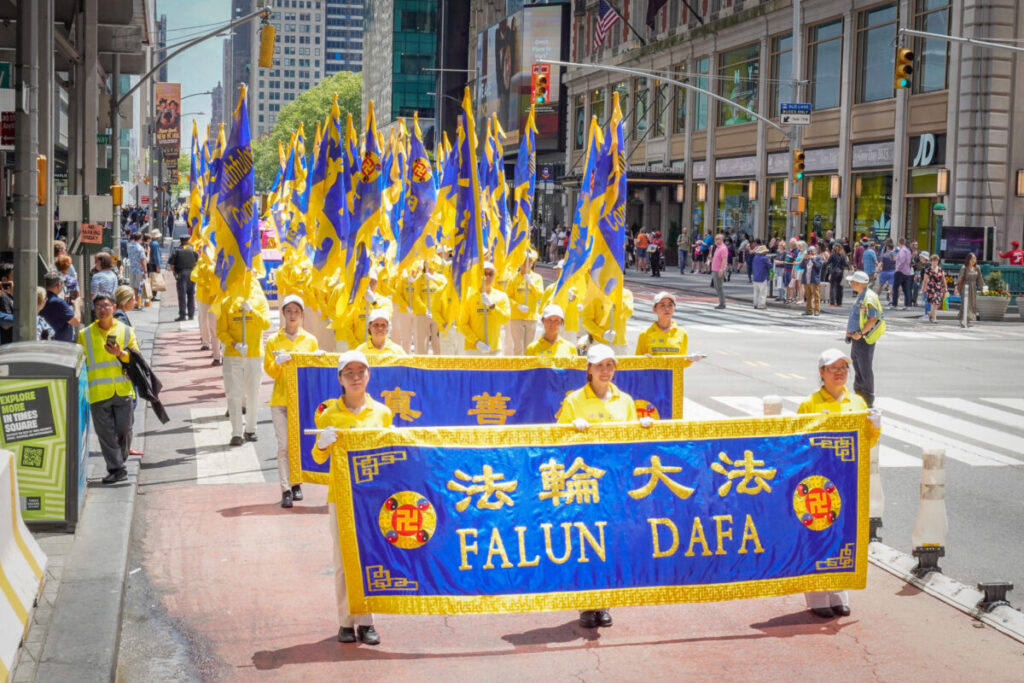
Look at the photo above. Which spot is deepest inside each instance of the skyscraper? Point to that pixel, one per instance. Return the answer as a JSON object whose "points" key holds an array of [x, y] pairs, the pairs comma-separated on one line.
{"points": [[343, 50], [399, 46]]}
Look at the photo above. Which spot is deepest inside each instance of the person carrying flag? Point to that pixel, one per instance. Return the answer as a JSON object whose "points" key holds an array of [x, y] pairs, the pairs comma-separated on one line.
{"points": [[525, 292], [426, 288], [240, 328], [482, 316]]}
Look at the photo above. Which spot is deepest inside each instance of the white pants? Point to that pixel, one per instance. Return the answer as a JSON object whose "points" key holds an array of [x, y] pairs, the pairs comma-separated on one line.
{"points": [[279, 416], [506, 337], [208, 329], [827, 599], [426, 335], [340, 345], [621, 350], [401, 330], [451, 343], [344, 618], [760, 294], [242, 387], [523, 334]]}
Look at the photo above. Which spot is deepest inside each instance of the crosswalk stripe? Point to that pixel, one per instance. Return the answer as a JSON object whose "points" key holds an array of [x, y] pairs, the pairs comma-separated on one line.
{"points": [[993, 437], [748, 405], [960, 405], [216, 462], [697, 412], [1014, 403]]}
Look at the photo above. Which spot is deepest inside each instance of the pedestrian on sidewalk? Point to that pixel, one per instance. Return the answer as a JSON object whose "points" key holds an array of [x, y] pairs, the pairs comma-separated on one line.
{"points": [[864, 327], [664, 337], [870, 260], [182, 262], [832, 397], [290, 338], [106, 342], [812, 281], [240, 327], [62, 316], [719, 263], [682, 246], [934, 286], [654, 252], [903, 275], [969, 284], [796, 280], [759, 269], [837, 265], [642, 242], [154, 260], [124, 297], [353, 409]]}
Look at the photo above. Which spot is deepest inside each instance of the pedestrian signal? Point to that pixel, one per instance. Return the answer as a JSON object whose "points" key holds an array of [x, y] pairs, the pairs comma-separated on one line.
{"points": [[117, 195], [904, 68], [540, 85], [268, 34], [798, 164]]}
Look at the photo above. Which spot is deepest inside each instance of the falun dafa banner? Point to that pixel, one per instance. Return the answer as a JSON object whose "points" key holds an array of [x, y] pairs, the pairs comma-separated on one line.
{"points": [[530, 518]]}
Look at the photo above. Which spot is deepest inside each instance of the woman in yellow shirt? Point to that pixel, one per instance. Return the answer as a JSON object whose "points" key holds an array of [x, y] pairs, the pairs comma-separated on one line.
{"points": [[378, 345], [664, 337], [551, 343], [832, 397], [599, 401], [290, 338]]}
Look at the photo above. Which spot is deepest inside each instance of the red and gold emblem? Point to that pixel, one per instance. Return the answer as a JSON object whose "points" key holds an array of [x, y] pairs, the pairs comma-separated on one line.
{"points": [[420, 170], [816, 502], [370, 167], [407, 520], [646, 409]]}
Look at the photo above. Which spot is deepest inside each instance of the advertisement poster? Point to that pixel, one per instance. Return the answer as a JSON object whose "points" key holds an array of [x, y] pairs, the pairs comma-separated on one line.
{"points": [[168, 114], [33, 422]]}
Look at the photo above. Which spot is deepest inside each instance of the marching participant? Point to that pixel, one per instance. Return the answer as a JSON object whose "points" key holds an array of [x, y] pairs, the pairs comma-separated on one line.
{"points": [[573, 308], [378, 345], [664, 337], [550, 343], [355, 325], [599, 401], [482, 316], [240, 328], [832, 397], [426, 289], [525, 292], [206, 294], [603, 327], [291, 337], [402, 293]]}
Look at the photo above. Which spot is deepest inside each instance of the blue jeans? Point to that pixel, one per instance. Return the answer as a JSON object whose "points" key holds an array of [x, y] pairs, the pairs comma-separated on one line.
{"points": [[682, 261]]}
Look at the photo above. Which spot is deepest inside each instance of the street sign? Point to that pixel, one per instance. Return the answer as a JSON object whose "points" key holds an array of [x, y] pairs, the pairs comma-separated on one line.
{"points": [[794, 113], [103, 139], [5, 75]]}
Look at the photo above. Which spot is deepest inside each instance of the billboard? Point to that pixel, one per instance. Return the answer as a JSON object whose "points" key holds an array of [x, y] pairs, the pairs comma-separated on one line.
{"points": [[168, 115], [506, 53]]}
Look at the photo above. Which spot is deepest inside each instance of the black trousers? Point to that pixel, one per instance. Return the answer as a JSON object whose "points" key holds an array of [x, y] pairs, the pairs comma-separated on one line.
{"points": [[186, 294], [112, 419], [904, 282], [863, 355], [835, 290]]}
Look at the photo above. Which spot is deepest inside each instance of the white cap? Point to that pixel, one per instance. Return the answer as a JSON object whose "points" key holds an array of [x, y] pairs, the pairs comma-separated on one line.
{"points": [[351, 357], [860, 276], [293, 299], [598, 353], [830, 356], [663, 295], [812, 249], [924, 254], [378, 314], [553, 309], [489, 266], [374, 272]]}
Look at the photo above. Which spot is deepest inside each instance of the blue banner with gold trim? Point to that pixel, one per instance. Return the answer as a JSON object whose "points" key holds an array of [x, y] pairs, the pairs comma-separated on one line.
{"points": [[509, 519], [451, 391]]}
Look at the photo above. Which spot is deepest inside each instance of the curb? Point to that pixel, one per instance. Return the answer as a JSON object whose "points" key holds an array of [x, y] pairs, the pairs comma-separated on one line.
{"points": [[1005, 619]]}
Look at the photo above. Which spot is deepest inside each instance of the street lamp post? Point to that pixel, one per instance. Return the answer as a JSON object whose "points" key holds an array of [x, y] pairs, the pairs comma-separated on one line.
{"points": [[940, 212]]}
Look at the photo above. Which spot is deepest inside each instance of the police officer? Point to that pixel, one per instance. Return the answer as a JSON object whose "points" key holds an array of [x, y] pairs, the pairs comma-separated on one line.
{"points": [[182, 261], [550, 343], [664, 337], [864, 327], [525, 292], [378, 345], [240, 327], [482, 316]]}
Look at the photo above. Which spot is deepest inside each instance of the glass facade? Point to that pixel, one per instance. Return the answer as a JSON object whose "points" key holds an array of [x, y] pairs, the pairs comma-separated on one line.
{"points": [[821, 208], [778, 211], [639, 107], [735, 209], [579, 125], [660, 110], [343, 36], [679, 106], [876, 56], [698, 211], [825, 57], [400, 39], [597, 105], [782, 72], [932, 55], [872, 204], [738, 75], [700, 116]]}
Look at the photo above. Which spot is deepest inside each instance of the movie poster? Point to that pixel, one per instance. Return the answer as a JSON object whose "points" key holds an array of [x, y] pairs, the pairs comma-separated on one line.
{"points": [[168, 115]]}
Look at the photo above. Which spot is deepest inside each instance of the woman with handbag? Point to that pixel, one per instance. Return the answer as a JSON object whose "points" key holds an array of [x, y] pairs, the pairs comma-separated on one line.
{"points": [[968, 284], [837, 265]]}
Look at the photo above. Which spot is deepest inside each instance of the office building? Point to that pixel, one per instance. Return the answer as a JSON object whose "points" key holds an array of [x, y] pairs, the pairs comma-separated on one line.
{"points": [[343, 36]]}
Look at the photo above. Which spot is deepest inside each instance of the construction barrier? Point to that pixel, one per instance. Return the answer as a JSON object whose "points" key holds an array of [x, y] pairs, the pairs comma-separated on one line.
{"points": [[22, 563]]}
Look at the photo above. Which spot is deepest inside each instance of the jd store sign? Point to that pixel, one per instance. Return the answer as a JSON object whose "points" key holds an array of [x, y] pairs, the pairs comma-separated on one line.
{"points": [[928, 149]]}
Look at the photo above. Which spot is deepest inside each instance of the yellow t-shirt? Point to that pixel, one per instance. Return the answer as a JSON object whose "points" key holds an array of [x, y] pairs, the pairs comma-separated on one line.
{"points": [[390, 350], [658, 342], [471, 319], [525, 290], [584, 403], [542, 347], [427, 287], [822, 402], [235, 326], [334, 413], [304, 342]]}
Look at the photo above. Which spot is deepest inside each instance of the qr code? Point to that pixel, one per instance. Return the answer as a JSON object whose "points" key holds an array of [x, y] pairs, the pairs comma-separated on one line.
{"points": [[32, 456]]}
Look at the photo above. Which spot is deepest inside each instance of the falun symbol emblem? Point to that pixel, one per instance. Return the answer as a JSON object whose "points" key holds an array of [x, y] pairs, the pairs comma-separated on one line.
{"points": [[407, 520], [816, 503]]}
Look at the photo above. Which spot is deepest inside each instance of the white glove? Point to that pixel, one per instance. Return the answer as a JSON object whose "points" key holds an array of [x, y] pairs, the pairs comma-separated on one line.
{"points": [[247, 307], [572, 296], [875, 417], [328, 435], [319, 352], [523, 308], [483, 347], [370, 296], [282, 358], [580, 424], [243, 349], [694, 357], [485, 299], [646, 422]]}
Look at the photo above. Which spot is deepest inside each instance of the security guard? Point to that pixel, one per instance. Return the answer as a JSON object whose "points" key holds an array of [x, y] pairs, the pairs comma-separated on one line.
{"points": [[106, 342], [550, 343], [280, 346], [664, 337], [354, 408], [240, 328], [525, 292], [426, 288], [482, 316], [378, 345], [573, 305], [597, 319], [864, 327]]}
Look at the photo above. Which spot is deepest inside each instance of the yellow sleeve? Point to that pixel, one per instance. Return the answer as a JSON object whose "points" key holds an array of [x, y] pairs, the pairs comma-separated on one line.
{"points": [[223, 324], [269, 366], [510, 287], [466, 310], [641, 345], [590, 325], [503, 309], [567, 413], [537, 286], [262, 312]]}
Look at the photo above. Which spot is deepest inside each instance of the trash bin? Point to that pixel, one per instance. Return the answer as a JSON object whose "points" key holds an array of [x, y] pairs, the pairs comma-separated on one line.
{"points": [[45, 421]]}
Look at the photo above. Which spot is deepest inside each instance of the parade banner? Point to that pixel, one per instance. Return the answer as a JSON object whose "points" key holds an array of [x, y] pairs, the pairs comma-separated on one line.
{"points": [[451, 521], [168, 114], [450, 391]]}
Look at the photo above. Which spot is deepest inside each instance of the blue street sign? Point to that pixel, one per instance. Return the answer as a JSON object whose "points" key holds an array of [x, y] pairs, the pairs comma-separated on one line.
{"points": [[794, 108]]}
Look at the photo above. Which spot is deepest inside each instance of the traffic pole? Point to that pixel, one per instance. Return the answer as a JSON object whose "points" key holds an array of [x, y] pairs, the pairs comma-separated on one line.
{"points": [[931, 526], [876, 497], [25, 195]]}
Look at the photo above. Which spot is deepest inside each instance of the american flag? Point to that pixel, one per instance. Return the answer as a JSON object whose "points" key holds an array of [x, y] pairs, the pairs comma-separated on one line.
{"points": [[606, 18]]}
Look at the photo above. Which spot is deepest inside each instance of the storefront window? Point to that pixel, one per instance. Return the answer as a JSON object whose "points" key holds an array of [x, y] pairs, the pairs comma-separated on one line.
{"points": [[597, 105], [738, 73], [700, 116], [698, 212], [782, 72], [580, 122], [639, 108], [825, 52], [920, 220], [660, 107], [623, 91], [778, 212], [821, 208], [876, 58], [930, 69], [735, 210], [679, 120], [872, 205]]}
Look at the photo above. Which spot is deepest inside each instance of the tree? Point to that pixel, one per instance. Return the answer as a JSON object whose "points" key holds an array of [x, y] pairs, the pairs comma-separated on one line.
{"points": [[184, 168], [311, 106]]}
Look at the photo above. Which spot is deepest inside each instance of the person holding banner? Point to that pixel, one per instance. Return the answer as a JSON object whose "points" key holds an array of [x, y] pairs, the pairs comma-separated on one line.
{"points": [[550, 343], [572, 309], [378, 345], [525, 292], [240, 327], [664, 337], [482, 316], [290, 338], [832, 397], [353, 409], [426, 289], [599, 401]]}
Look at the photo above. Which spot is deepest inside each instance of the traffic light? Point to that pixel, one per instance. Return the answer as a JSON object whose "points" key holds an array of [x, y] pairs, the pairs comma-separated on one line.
{"points": [[117, 195], [904, 68], [540, 85], [798, 164], [267, 36]]}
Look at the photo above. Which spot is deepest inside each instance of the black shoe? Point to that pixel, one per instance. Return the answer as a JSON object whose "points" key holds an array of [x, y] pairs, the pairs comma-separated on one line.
{"points": [[191, 317], [216, 362], [823, 612], [368, 635], [718, 308], [250, 436], [604, 618], [841, 610], [297, 492], [589, 618], [204, 347], [235, 441], [179, 318], [346, 634], [116, 476], [286, 499]]}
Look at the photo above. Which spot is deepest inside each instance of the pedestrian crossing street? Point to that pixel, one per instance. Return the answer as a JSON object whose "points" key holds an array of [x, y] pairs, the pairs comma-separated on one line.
{"points": [[985, 432]]}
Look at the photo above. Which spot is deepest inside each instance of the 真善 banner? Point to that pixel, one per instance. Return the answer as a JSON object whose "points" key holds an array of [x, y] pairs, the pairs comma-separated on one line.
{"points": [[513, 519], [454, 391]]}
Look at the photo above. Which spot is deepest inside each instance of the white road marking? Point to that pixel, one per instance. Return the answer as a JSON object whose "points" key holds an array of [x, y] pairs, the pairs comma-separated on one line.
{"points": [[960, 405], [993, 437], [1014, 403], [696, 412], [216, 462]]}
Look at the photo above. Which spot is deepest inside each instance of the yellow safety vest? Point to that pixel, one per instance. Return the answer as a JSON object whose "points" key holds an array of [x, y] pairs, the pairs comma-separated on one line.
{"points": [[870, 300], [104, 372]]}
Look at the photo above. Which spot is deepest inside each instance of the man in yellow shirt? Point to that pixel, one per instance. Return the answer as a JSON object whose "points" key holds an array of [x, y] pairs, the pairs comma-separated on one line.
{"points": [[280, 346], [240, 328], [525, 293], [550, 343], [664, 337], [106, 342], [353, 409], [482, 316], [378, 345], [573, 306], [604, 325], [403, 289], [426, 289]]}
